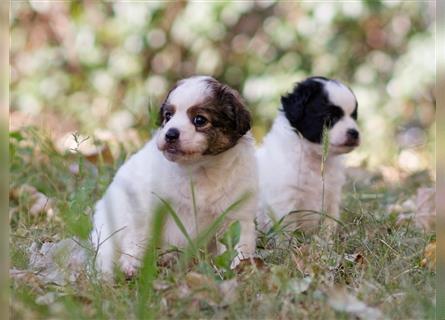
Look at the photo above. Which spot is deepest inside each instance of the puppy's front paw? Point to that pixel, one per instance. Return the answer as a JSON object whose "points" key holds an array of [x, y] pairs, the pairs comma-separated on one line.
{"points": [[129, 266]]}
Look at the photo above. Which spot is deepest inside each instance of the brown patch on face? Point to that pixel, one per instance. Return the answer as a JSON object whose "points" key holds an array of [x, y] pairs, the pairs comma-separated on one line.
{"points": [[165, 110], [227, 114]]}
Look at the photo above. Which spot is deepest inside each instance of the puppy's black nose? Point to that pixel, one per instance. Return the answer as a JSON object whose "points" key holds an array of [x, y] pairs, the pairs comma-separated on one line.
{"points": [[352, 134], [172, 135]]}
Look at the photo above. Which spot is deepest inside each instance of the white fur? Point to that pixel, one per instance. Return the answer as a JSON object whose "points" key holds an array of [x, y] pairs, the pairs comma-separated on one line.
{"points": [[290, 168], [126, 210], [290, 179], [190, 91], [339, 94]]}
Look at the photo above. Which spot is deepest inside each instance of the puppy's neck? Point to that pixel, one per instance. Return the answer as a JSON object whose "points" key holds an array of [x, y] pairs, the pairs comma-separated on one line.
{"points": [[299, 147]]}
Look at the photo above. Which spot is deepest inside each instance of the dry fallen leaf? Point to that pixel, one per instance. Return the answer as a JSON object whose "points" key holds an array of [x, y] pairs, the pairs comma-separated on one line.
{"points": [[426, 208], [28, 277], [250, 264], [420, 208], [39, 202], [356, 258], [92, 149], [58, 262], [160, 285], [198, 281], [48, 298], [429, 260], [55, 124], [227, 290], [298, 286], [203, 288], [300, 256], [340, 300], [210, 291], [102, 153]]}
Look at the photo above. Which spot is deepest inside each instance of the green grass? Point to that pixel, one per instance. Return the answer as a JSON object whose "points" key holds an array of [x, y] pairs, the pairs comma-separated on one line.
{"points": [[387, 275]]}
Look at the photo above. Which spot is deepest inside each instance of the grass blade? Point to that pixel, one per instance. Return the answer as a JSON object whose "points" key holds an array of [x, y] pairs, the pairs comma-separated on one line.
{"points": [[149, 267], [324, 156], [195, 210], [177, 220], [204, 237]]}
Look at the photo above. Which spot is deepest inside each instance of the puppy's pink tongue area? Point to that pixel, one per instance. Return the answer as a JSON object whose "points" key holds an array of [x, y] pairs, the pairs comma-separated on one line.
{"points": [[171, 150], [352, 143]]}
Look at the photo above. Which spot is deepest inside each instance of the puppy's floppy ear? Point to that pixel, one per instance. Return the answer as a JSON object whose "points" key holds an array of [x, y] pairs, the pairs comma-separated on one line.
{"points": [[294, 103], [235, 109]]}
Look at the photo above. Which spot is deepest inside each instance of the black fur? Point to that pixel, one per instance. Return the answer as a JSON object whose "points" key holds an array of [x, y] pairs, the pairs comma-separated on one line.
{"points": [[308, 109], [354, 113]]}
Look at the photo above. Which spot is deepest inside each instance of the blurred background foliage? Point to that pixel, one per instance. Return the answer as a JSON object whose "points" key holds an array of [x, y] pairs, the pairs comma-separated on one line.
{"points": [[97, 68]]}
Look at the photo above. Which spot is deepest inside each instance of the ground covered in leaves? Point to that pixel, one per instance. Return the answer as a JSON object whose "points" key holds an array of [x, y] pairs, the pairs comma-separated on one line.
{"points": [[380, 265]]}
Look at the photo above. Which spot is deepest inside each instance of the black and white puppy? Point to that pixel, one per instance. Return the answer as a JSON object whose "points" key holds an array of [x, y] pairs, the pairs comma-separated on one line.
{"points": [[204, 138], [289, 161]]}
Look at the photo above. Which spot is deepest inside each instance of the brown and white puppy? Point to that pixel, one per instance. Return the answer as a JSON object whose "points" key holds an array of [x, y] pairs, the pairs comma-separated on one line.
{"points": [[204, 139]]}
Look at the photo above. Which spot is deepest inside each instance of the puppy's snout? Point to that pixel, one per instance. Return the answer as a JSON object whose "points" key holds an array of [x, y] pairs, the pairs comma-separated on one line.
{"points": [[352, 134], [172, 135]]}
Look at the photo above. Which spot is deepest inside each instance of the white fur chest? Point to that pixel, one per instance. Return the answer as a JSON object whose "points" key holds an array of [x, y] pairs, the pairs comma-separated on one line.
{"points": [[291, 179], [216, 186]]}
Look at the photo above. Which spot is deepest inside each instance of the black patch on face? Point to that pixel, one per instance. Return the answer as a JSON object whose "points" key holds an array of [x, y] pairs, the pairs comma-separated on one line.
{"points": [[354, 113], [308, 109]]}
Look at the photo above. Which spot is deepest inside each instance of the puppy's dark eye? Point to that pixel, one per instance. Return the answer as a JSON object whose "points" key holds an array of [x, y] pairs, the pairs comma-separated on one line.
{"points": [[167, 116], [335, 115], [334, 118], [200, 121]]}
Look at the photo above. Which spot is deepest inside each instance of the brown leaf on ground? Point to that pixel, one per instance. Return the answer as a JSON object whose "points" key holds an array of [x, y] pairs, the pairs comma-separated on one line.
{"points": [[426, 208], [420, 208], [95, 151], [356, 258], [300, 256], [298, 286], [203, 288], [39, 203], [56, 124], [250, 264], [196, 280], [228, 291], [102, 154], [340, 300], [429, 260], [28, 277], [206, 289], [58, 262], [160, 285]]}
